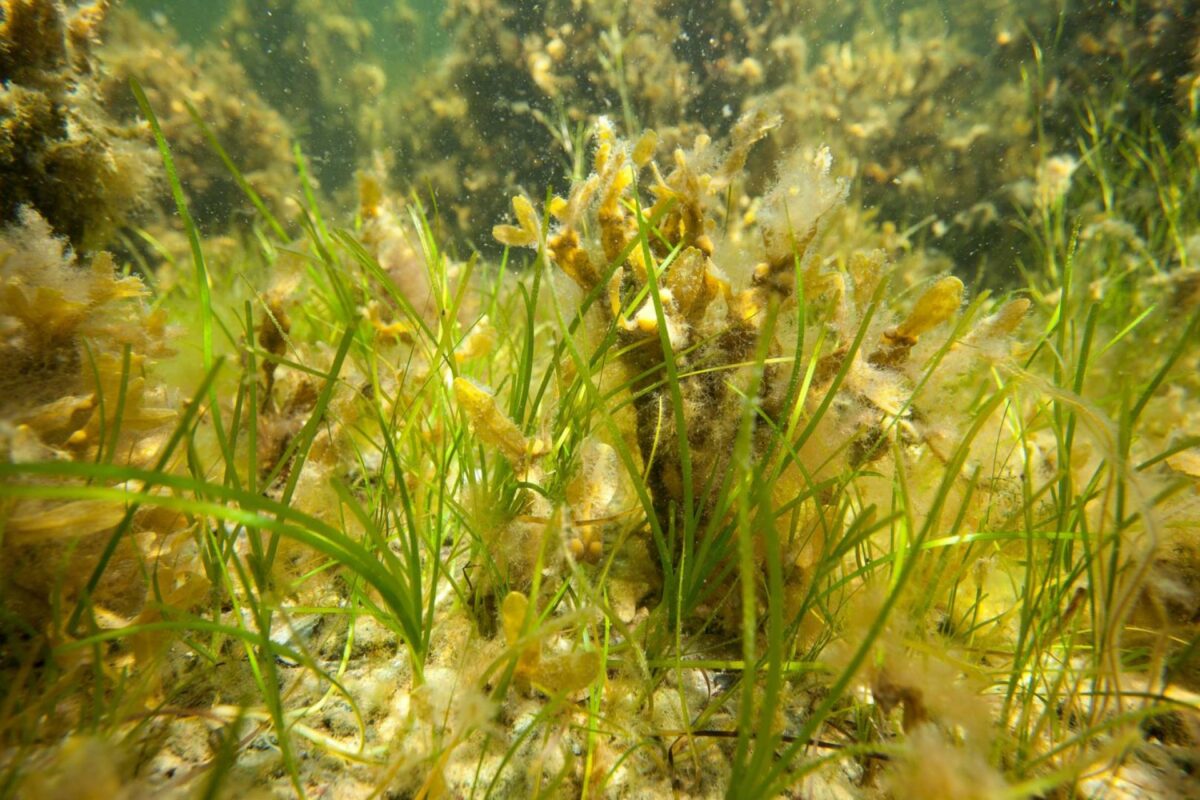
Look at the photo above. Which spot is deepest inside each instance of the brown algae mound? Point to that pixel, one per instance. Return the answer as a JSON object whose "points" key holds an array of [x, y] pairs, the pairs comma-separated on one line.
{"points": [[77, 339], [722, 333], [61, 152], [177, 79]]}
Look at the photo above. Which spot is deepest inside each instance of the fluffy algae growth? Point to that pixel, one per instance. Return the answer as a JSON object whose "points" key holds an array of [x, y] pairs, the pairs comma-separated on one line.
{"points": [[728, 464]]}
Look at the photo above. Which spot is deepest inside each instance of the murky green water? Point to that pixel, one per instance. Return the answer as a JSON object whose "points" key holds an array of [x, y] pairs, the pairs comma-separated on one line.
{"points": [[949, 121]]}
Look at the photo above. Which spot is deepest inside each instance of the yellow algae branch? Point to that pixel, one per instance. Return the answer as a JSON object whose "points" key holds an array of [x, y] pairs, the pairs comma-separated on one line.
{"points": [[491, 425]]}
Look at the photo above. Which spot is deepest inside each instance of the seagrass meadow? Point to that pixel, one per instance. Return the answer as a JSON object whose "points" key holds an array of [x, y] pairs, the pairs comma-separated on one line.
{"points": [[588, 399]]}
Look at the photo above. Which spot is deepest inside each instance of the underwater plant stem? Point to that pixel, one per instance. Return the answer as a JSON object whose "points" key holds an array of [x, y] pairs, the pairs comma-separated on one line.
{"points": [[202, 279]]}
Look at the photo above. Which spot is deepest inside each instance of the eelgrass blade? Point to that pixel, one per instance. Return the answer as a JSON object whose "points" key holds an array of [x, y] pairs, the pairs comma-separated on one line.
{"points": [[189, 225]]}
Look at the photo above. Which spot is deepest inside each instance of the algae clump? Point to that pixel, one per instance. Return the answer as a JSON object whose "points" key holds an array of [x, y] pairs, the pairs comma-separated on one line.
{"points": [[60, 150]]}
